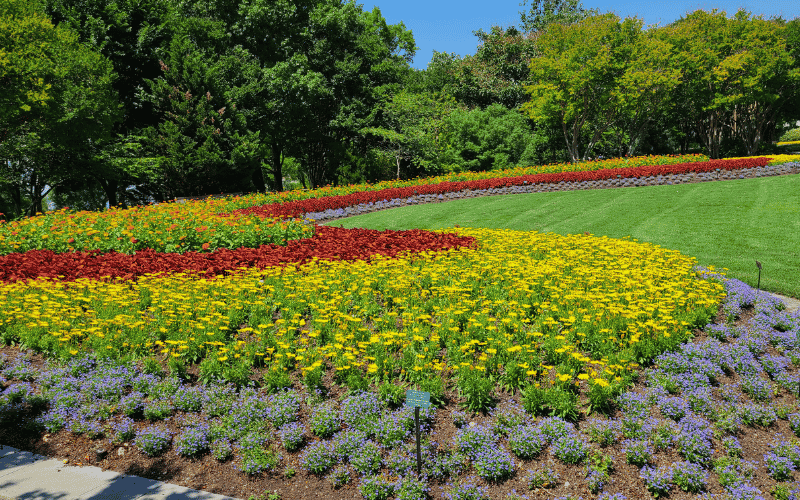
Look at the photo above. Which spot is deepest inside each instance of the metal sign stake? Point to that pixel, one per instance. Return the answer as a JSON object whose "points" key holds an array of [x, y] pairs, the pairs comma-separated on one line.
{"points": [[417, 400]]}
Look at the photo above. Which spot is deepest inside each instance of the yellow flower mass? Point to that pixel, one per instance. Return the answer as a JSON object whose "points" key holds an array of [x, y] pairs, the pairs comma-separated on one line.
{"points": [[520, 300]]}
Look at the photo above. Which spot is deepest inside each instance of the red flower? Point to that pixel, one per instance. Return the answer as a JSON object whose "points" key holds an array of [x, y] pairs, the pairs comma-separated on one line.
{"points": [[205, 246]]}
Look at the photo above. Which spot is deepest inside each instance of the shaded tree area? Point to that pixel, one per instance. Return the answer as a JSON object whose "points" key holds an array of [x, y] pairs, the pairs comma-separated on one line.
{"points": [[120, 102]]}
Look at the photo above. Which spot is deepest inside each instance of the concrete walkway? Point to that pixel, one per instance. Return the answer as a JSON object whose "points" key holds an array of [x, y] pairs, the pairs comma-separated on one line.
{"points": [[27, 476], [792, 305]]}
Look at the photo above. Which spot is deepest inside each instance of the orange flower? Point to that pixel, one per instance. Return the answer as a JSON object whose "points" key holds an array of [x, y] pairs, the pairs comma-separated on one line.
{"points": [[205, 246]]}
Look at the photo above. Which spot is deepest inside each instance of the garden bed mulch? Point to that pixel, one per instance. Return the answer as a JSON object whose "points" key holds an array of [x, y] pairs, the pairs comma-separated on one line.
{"points": [[206, 473]]}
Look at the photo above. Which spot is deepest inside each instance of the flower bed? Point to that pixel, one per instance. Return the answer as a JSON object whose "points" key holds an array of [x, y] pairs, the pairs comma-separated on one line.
{"points": [[328, 243], [516, 307], [299, 208]]}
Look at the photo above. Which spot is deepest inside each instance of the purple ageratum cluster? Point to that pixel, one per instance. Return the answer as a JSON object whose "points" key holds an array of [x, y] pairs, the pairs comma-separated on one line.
{"points": [[53, 420], [602, 431], [153, 440], [292, 435], [376, 488], [658, 480], [22, 370], [779, 468], [694, 440], [318, 457], [526, 441], [393, 429], [192, 441], [218, 399], [473, 440], [794, 423], [368, 459], [401, 461], [508, 417], [412, 488], [570, 449], [555, 428], [689, 477], [774, 365], [596, 480], [325, 420], [544, 477], [460, 418], [637, 451], [757, 388], [188, 399], [362, 411], [701, 401], [674, 407], [444, 464], [282, 408], [347, 443], [612, 496], [131, 405], [493, 464], [732, 446], [339, 476], [755, 414], [466, 489]]}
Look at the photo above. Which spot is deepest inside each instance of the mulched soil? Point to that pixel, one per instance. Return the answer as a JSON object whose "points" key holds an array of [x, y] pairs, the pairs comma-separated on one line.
{"points": [[206, 473]]}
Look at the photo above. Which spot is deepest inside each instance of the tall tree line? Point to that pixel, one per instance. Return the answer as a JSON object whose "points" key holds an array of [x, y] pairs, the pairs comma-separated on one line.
{"points": [[120, 102]]}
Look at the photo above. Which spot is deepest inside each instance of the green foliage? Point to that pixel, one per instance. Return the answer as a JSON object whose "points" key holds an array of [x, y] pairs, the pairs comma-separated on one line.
{"points": [[276, 379], [543, 13], [58, 99], [486, 140], [791, 135], [597, 73], [435, 387], [476, 390], [737, 75], [391, 394], [554, 401]]}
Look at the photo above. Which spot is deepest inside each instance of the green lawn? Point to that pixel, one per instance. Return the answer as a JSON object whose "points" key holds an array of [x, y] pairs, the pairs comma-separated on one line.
{"points": [[726, 224]]}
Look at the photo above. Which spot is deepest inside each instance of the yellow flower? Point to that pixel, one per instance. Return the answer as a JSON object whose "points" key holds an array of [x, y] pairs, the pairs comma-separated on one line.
{"points": [[583, 376]]}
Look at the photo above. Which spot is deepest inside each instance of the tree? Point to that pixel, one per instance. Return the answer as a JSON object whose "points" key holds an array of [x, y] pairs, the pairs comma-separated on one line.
{"points": [[590, 75], [497, 72], [416, 124], [737, 75], [61, 101], [133, 35], [202, 143], [546, 12], [491, 139], [360, 59]]}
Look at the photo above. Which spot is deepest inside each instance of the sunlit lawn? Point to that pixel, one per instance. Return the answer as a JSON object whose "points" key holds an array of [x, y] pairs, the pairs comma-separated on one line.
{"points": [[726, 224]]}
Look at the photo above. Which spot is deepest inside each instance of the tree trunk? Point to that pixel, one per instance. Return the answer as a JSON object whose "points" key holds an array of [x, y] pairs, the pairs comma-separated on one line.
{"points": [[110, 188], [277, 167], [258, 179]]}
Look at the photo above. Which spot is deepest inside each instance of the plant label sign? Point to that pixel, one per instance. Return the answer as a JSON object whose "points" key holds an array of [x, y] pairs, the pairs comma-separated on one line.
{"points": [[418, 399]]}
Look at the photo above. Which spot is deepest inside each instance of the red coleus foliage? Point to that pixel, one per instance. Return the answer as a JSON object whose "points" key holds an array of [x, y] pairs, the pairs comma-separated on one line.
{"points": [[329, 243], [298, 208]]}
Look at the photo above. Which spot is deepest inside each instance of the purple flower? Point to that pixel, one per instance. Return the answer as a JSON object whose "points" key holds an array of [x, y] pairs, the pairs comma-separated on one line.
{"points": [[674, 408], [526, 441], [689, 477], [318, 457], [657, 480], [637, 451]]}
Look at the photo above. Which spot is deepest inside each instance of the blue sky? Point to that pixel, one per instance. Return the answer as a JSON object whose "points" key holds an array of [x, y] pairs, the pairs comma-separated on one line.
{"points": [[447, 25]]}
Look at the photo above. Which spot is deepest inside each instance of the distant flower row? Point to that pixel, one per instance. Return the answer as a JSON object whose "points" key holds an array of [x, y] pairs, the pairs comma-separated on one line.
{"points": [[298, 208], [168, 228], [329, 243]]}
